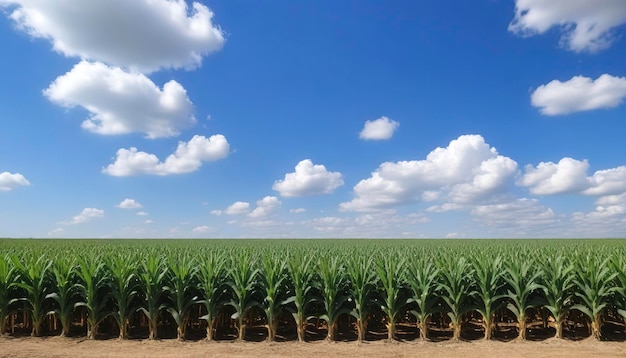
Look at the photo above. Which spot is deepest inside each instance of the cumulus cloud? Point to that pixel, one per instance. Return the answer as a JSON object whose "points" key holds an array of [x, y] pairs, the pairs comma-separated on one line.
{"points": [[10, 181], [86, 215], [308, 179], [379, 129], [129, 204], [585, 25], [548, 178], [187, 158], [570, 176], [297, 211], [120, 102], [203, 229], [265, 206], [238, 208], [145, 35], [579, 94], [467, 170], [607, 182]]}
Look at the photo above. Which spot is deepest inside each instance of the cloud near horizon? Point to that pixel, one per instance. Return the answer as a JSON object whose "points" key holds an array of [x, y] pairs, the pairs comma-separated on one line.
{"points": [[467, 170]]}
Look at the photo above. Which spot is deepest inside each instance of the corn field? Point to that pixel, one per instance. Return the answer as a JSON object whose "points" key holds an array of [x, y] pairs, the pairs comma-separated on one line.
{"points": [[305, 290]]}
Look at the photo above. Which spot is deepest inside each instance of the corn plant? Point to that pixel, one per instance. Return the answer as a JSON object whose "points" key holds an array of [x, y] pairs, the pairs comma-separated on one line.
{"points": [[557, 284], [333, 282], [243, 283], [391, 273], [422, 278], [523, 290], [618, 263], [92, 285], [488, 287], [456, 287], [181, 287], [36, 284], [124, 286], [362, 289], [151, 277], [276, 292], [7, 286], [211, 284], [300, 269], [594, 289], [64, 292]]}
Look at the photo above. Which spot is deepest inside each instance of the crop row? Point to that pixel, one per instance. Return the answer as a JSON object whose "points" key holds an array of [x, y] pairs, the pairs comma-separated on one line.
{"points": [[359, 283]]}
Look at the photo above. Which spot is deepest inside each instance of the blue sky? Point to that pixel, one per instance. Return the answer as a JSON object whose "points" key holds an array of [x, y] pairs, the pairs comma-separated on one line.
{"points": [[312, 119]]}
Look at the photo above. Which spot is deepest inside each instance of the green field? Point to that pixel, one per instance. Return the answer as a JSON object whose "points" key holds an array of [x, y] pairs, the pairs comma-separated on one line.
{"points": [[314, 289]]}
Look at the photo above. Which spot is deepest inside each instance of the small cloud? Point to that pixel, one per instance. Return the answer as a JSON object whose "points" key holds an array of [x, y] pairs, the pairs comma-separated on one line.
{"points": [[142, 213], [216, 212], [238, 208], [297, 211], [10, 181], [379, 129], [265, 206], [203, 229], [148, 221], [86, 215], [56, 232], [579, 94], [308, 179], [129, 204]]}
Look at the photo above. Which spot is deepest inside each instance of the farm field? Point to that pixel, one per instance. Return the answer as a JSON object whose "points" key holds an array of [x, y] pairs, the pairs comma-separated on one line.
{"points": [[372, 297]]}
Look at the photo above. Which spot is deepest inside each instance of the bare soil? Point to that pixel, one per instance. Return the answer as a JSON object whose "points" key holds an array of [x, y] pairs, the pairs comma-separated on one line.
{"points": [[81, 347]]}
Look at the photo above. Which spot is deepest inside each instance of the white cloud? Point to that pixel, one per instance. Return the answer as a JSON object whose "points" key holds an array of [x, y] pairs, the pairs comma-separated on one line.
{"points": [[379, 129], [586, 25], [606, 220], [265, 206], [121, 102], [187, 158], [129, 204], [238, 208], [308, 179], [607, 182], [519, 216], [86, 215], [467, 170], [216, 212], [445, 208], [10, 181], [297, 211], [142, 213], [570, 176], [579, 94], [148, 221], [203, 229], [146, 35], [56, 232]]}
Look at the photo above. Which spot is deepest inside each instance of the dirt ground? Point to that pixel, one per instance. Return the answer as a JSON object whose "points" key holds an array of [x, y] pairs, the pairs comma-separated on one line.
{"points": [[80, 347]]}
